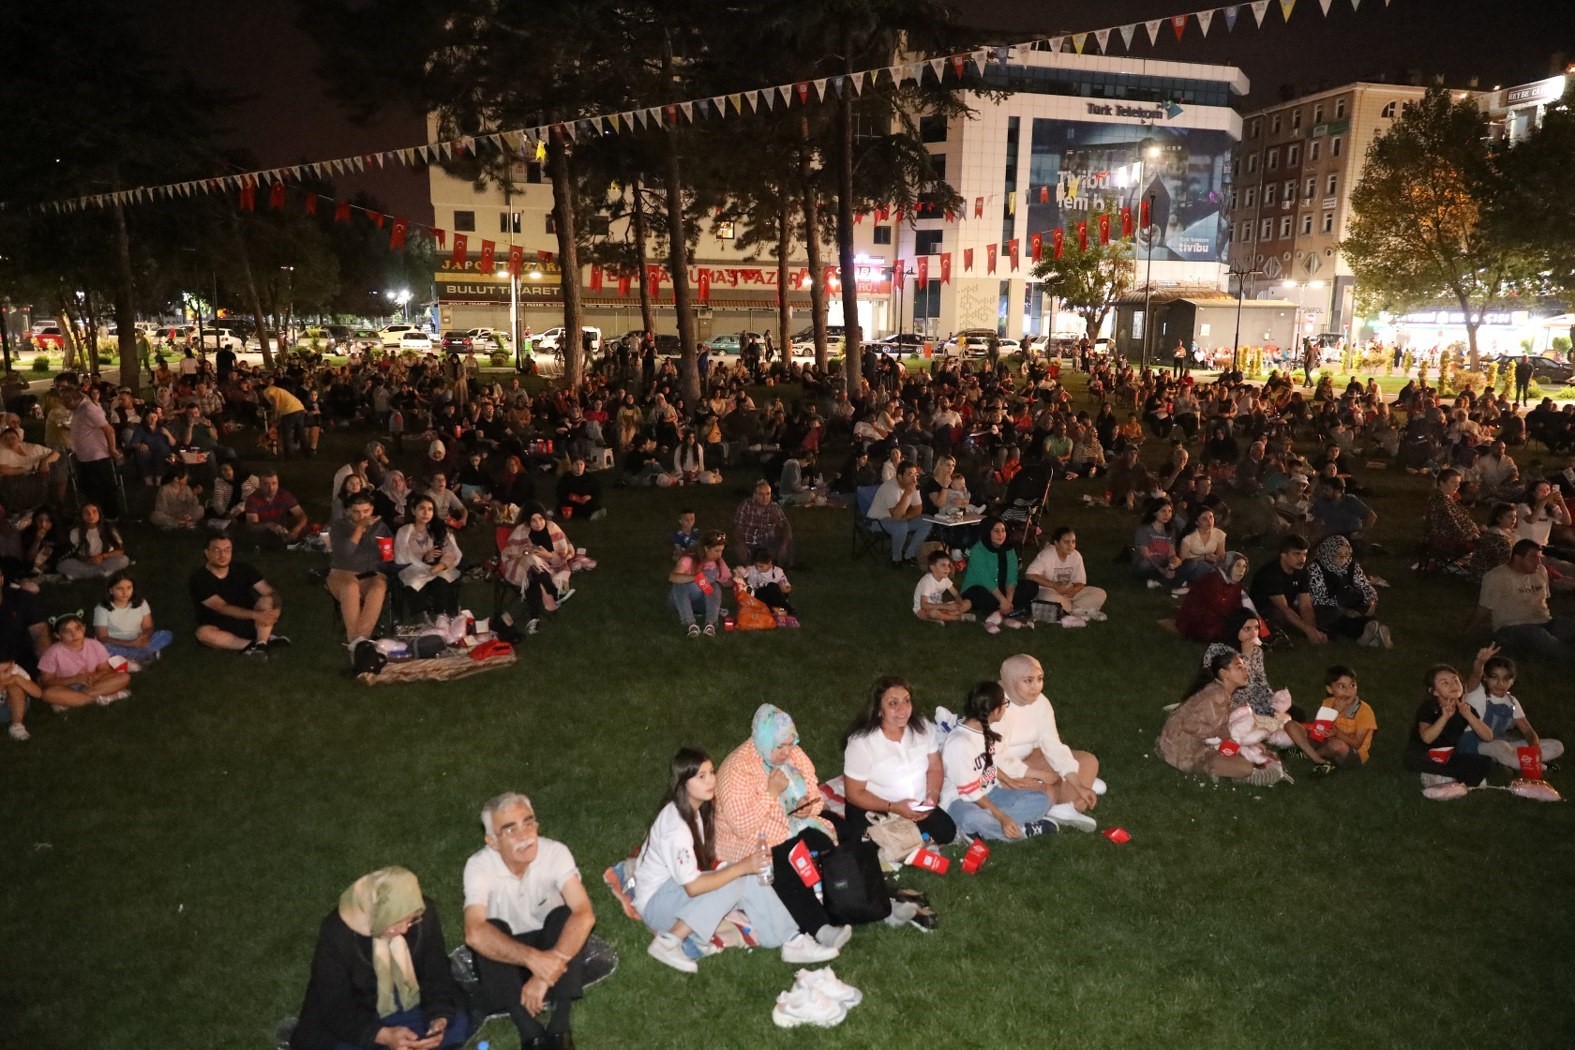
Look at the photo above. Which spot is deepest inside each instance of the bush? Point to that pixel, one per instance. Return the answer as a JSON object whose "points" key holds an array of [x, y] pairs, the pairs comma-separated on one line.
{"points": [[40, 364], [499, 358]]}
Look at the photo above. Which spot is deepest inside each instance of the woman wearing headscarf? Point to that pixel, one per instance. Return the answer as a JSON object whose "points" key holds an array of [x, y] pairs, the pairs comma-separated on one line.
{"points": [[388, 499], [1031, 754], [1191, 738], [1213, 598], [1343, 600], [380, 975], [766, 791], [529, 559], [990, 581]]}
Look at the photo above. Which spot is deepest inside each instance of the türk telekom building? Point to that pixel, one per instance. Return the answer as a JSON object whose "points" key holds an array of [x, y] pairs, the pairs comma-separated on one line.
{"points": [[1079, 134]]}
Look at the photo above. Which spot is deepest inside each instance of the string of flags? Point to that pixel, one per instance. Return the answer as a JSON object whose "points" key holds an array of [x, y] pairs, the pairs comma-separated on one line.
{"points": [[531, 142]]}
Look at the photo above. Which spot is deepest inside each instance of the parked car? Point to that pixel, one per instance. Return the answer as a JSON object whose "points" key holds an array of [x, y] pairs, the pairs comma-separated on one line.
{"points": [[48, 337], [1545, 368], [804, 341], [390, 334], [219, 339], [415, 339], [324, 338], [485, 340], [456, 342], [975, 342], [548, 340], [732, 343], [905, 343]]}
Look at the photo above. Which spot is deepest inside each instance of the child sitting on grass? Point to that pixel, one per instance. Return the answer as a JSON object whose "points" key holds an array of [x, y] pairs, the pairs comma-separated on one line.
{"points": [[123, 621], [935, 598], [683, 541], [1441, 722], [1488, 693], [1351, 739], [769, 583]]}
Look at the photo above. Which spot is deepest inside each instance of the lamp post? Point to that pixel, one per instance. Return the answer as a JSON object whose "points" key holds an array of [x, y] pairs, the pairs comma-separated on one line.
{"points": [[289, 308], [514, 316], [1235, 346], [900, 277], [1300, 286], [1148, 287]]}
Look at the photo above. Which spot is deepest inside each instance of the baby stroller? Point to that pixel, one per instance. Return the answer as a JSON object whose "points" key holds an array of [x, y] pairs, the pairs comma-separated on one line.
{"points": [[1024, 505]]}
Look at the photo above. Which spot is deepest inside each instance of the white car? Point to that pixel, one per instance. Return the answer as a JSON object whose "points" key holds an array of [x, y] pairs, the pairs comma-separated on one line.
{"points": [[220, 338], [484, 340], [548, 340], [414, 339], [804, 341], [390, 334]]}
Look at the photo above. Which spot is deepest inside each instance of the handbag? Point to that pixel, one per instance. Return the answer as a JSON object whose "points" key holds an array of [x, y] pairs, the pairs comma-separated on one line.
{"points": [[895, 837], [851, 880]]}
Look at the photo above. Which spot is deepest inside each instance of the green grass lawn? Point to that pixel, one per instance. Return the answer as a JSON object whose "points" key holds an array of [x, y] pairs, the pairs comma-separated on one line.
{"points": [[167, 860]]}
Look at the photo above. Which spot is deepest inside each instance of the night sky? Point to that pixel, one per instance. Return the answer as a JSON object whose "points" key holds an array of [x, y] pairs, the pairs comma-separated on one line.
{"points": [[286, 117]]}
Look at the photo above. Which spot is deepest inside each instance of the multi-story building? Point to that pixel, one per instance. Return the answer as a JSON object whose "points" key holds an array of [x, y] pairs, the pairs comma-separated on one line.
{"points": [[1290, 204], [1515, 112]]}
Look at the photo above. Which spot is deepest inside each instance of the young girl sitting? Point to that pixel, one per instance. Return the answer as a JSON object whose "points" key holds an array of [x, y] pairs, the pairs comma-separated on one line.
{"points": [[769, 583], [75, 670], [971, 794], [123, 621], [18, 685], [1488, 694], [96, 547], [1441, 722], [682, 894]]}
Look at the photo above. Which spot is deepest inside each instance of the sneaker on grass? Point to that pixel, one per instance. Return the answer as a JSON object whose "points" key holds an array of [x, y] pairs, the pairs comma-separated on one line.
{"points": [[669, 950], [834, 936], [278, 641], [825, 982], [806, 1006], [18, 731], [1034, 828], [1066, 815], [804, 949]]}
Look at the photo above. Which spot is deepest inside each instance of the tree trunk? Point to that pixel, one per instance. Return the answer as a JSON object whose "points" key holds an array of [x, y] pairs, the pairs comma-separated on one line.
{"points": [[125, 310], [784, 307], [817, 267], [647, 310], [572, 343], [249, 289], [678, 263], [70, 352], [852, 363]]}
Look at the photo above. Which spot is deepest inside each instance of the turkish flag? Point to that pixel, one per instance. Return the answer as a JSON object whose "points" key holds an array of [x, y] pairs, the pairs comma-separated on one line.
{"points": [[544, 257], [881, 214], [342, 211], [396, 239], [1044, 195], [653, 276], [990, 252], [624, 280], [377, 218], [922, 276], [1011, 252], [457, 260], [978, 207], [858, 218], [1126, 222], [1143, 219], [1036, 246], [596, 278], [311, 204], [248, 197], [439, 237], [967, 260], [946, 267], [487, 250], [1104, 227], [703, 286], [1082, 236], [1058, 240], [276, 196], [516, 260]]}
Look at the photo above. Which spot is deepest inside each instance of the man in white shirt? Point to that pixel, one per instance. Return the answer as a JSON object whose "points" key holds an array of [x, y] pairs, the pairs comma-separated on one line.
{"points": [[527, 918], [898, 509]]}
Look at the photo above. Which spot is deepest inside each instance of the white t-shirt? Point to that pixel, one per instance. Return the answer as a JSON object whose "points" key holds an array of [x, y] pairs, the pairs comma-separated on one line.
{"points": [[523, 902], [1539, 525], [1026, 727], [1478, 699], [892, 770], [890, 497], [941, 590], [1049, 564], [667, 856], [967, 777], [124, 624]]}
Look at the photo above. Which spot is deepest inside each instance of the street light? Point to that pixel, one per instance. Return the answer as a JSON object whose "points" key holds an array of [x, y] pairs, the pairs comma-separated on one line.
{"points": [[1300, 287], [900, 277], [1235, 346], [514, 315]]}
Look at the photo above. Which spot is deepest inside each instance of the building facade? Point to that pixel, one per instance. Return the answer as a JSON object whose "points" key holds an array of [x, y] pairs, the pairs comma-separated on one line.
{"points": [[1515, 112]]}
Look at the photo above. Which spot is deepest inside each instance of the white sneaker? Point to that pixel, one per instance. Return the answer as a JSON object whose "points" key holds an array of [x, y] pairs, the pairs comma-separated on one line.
{"points": [[834, 936], [1153, 585], [665, 948], [18, 731], [806, 1006], [1098, 786], [804, 949], [1066, 815], [1073, 621], [1096, 615], [825, 982]]}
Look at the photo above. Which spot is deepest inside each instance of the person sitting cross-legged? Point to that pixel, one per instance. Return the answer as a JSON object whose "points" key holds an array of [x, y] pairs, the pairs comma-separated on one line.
{"points": [[236, 608]]}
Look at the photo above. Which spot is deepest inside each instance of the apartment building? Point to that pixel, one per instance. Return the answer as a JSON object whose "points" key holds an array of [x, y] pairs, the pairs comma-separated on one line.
{"points": [[1515, 112]]}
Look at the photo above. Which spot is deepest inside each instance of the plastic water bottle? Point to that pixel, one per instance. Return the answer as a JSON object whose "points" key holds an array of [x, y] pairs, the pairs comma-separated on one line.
{"points": [[767, 876]]}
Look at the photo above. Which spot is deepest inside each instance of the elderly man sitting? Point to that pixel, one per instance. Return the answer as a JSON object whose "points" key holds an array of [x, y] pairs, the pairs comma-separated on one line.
{"points": [[758, 522]]}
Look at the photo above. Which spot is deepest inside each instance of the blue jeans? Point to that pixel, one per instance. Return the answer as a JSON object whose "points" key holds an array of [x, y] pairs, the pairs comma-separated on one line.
{"points": [[689, 599], [457, 1032], [1554, 640], [768, 917], [142, 653], [1022, 806], [913, 533]]}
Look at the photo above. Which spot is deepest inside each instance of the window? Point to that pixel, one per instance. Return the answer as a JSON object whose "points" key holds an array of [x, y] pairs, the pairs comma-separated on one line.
{"points": [[551, 225], [1306, 224], [600, 225], [1339, 109], [465, 221], [1266, 231], [1289, 192], [1232, 205], [1334, 146], [1274, 124], [1388, 112], [1333, 186], [1252, 197], [1253, 128], [1318, 113], [1268, 194], [1285, 226], [503, 222], [1246, 232], [1312, 188], [883, 235], [1272, 161], [1328, 222], [932, 128], [926, 242], [1252, 162], [1313, 149], [1293, 156], [533, 171], [1296, 120]]}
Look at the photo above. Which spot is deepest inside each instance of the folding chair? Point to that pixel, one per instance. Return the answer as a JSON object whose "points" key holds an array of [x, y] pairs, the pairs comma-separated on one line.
{"points": [[123, 513], [867, 536], [504, 593], [1024, 504]]}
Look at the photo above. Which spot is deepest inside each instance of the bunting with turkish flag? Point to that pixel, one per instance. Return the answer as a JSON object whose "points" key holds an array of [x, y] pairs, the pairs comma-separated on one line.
{"points": [[1011, 253], [1058, 240], [342, 211], [990, 252], [653, 276], [311, 204], [1104, 227], [396, 239], [703, 286], [967, 260], [516, 259], [439, 237], [249, 197], [1126, 222], [1082, 236], [946, 267], [1036, 246], [487, 250], [544, 257], [882, 213], [377, 218], [457, 260], [1044, 195], [596, 278], [624, 281], [276, 196], [978, 207], [922, 273]]}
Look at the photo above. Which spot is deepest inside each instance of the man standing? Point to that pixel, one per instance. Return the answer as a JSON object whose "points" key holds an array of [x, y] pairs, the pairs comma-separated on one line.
{"points": [[1279, 590], [1178, 360], [1522, 379], [236, 608], [274, 517], [758, 522], [355, 575], [527, 918], [1514, 598], [93, 445], [290, 415], [898, 509]]}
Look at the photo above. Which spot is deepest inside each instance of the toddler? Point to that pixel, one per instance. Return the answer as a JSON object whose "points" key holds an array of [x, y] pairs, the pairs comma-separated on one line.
{"points": [[767, 582], [1488, 692], [935, 598]]}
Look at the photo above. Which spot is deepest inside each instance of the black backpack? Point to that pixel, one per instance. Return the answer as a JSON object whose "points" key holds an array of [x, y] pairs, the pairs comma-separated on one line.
{"points": [[368, 658], [854, 888]]}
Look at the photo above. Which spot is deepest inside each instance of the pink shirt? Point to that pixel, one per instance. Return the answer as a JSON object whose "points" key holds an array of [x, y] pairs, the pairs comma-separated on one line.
{"points": [[66, 662]]}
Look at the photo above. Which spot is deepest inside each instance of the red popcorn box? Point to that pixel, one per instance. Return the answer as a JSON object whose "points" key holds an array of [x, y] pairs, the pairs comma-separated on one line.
{"points": [[1440, 754], [385, 547], [565, 512], [1229, 747], [929, 860], [1530, 761], [978, 853], [804, 864], [1119, 836], [703, 583], [1320, 730]]}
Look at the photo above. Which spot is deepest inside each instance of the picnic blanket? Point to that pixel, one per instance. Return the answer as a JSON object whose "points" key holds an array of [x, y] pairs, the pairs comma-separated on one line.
{"points": [[446, 668]]}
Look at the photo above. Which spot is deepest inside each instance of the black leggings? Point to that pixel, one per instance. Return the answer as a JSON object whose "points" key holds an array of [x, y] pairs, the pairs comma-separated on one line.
{"points": [[501, 983], [797, 898], [438, 596]]}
